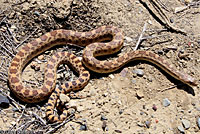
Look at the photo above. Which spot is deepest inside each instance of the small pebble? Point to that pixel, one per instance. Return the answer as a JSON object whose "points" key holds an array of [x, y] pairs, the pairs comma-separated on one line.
{"points": [[139, 94], [154, 107], [186, 123], [83, 127], [160, 52], [171, 20], [182, 51], [148, 123], [59, 75], [150, 22], [198, 41], [166, 102], [37, 13], [15, 109], [198, 122], [13, 122], [133, 81], [71, 111], [41, 57], [181, 129], [124, 72], [198, 108], [121, 111], [111, 76], [4, 102], [128, 39], [139, 72], [105, 94], [156, 121], [104, 125], [35, 66], [118, 131], [103, 117]]}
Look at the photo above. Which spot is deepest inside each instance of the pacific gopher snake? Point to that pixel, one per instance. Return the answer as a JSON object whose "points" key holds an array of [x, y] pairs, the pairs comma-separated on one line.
{"points": [[94, 47]]}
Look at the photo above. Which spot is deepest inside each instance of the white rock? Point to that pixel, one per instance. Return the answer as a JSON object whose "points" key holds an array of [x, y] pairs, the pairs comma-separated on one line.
{"points": [[186, 123], [166, 102], [64, 98], [111, 76], [181, 129], [139, 72], [128, 39]]}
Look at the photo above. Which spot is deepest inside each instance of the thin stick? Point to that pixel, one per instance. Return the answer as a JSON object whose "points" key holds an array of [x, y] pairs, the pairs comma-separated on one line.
{"points": [[3, 19], [161, 18], [173, 86], [4, 73], [3, 79], [140, 38], [39, 118], [4, 53], [26, 125], [9, 32], [18, 119], [7, 50]]}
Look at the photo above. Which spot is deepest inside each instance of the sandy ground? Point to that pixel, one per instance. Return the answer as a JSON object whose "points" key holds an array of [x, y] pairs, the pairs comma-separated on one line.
{"points": [[120, 102]]}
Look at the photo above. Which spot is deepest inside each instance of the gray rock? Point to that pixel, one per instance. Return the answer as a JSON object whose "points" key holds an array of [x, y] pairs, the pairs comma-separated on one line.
{"points": [[104, 126], [37, 13], [186, 123], [133, 81], [181, 129], [4, 102], [198, 122], [148, 123], [154, 107], [166, 102], [103, 117], [83, 127], [124, 72], [139, 72]]}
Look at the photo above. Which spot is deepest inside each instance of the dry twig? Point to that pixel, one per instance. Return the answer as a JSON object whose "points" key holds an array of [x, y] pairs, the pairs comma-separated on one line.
{"points": [[162, 18], [140, 38]]}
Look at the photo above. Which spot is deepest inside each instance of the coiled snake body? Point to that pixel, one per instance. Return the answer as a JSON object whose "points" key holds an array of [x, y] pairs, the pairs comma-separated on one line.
{"points": [[93, 40]]}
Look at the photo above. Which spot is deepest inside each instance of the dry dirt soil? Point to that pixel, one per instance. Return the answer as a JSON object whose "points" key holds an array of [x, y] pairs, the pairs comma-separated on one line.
{"points": [[120, 102]]}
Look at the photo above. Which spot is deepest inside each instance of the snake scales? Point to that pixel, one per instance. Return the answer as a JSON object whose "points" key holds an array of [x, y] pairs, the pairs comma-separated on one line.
{"points": [[93, 40]]}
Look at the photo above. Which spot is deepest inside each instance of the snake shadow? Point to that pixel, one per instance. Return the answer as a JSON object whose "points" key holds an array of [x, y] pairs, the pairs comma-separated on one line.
{"points": [[179, 85]]}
